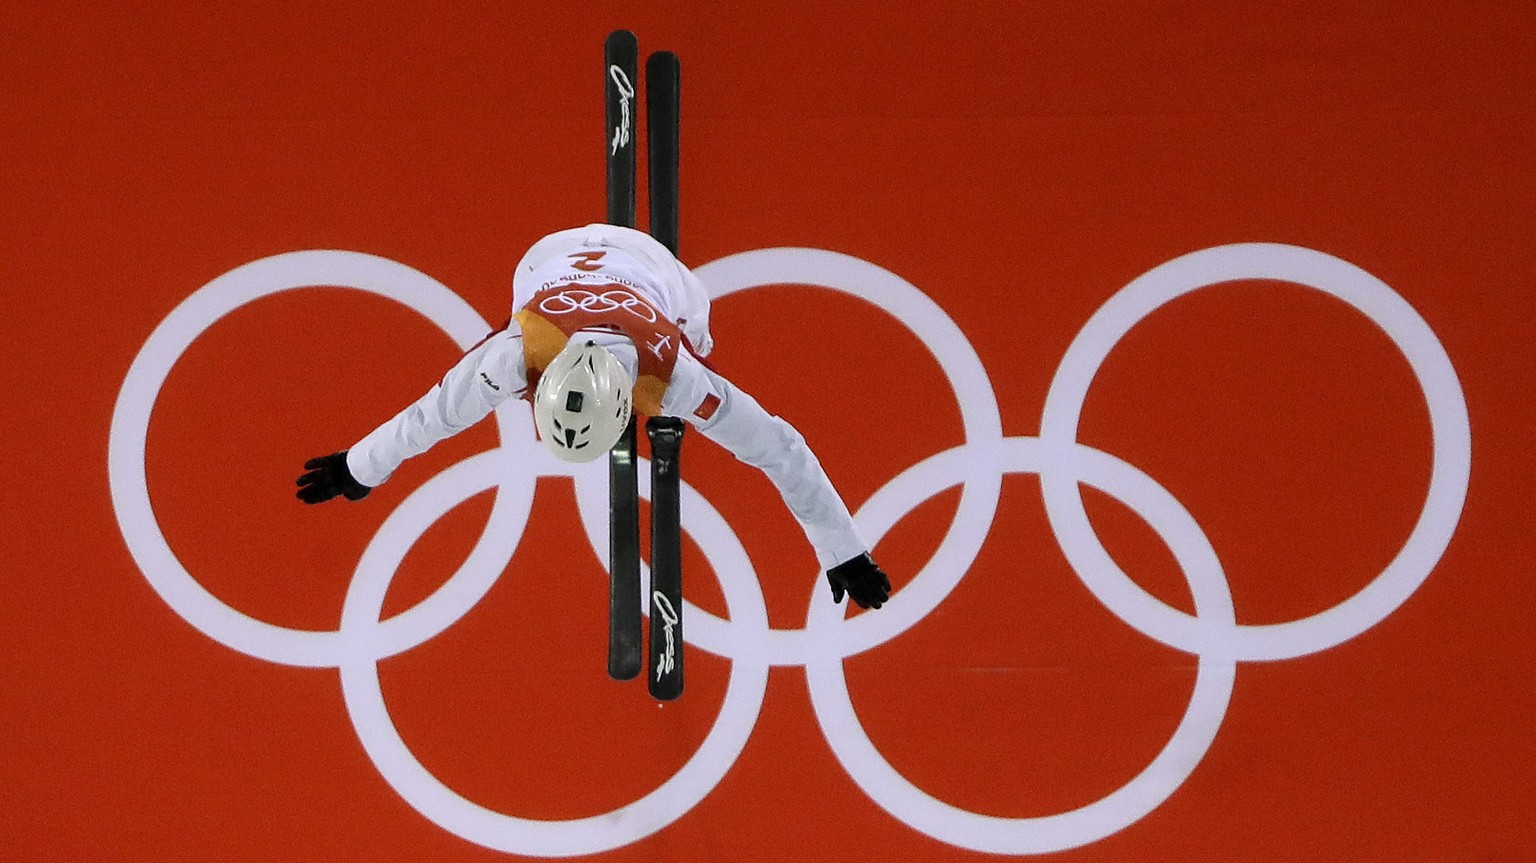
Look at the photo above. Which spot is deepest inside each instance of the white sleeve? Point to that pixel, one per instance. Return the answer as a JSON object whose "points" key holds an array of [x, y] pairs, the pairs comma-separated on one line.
{"points": [[488, 375], [770, 444]]}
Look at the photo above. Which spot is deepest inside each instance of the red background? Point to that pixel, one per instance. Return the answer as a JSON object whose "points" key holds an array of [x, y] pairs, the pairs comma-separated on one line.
{"points": [[1017, 162]]}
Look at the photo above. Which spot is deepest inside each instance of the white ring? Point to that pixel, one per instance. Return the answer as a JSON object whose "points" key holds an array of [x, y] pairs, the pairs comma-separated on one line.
{"points": [[543, 838], [141, 387], [979, 418], [1432, 369], [1143, 793]]}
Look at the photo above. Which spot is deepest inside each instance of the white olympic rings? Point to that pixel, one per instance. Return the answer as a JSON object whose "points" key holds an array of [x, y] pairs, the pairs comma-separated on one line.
{"points": [[977, 466], [570, 300]]}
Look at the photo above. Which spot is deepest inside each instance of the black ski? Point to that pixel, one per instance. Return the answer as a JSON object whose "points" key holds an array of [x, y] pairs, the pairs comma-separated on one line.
{"points": [[621, 62], [662, 102], [663, 78]]}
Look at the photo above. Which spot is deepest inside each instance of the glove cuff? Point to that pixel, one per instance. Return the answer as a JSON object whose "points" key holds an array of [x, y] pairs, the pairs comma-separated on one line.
{"points": [[346, 483], [852, 563]]}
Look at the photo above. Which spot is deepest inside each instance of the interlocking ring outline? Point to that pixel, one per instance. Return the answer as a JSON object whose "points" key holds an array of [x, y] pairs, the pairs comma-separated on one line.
{"points": [[579, 300], [977, 465]]}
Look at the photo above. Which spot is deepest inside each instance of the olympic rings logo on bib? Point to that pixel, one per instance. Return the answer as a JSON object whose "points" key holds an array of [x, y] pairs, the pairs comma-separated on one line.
{"points": [[977, 466], [572, 300]]}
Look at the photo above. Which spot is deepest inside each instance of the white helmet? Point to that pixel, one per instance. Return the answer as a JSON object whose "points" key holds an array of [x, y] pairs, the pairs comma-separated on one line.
{"points": [[582, 403]]}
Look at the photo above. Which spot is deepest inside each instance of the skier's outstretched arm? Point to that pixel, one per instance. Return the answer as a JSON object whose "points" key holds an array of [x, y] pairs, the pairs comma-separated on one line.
{"points": [[488, 375], [737, 422]]}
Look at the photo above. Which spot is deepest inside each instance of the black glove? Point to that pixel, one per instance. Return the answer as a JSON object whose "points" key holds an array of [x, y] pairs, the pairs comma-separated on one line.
{"points": [[328, 476], [862, 579]]}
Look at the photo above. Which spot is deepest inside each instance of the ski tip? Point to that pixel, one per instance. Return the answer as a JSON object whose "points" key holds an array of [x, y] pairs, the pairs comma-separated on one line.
{"points": [[666, 693], [662, 62]]}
